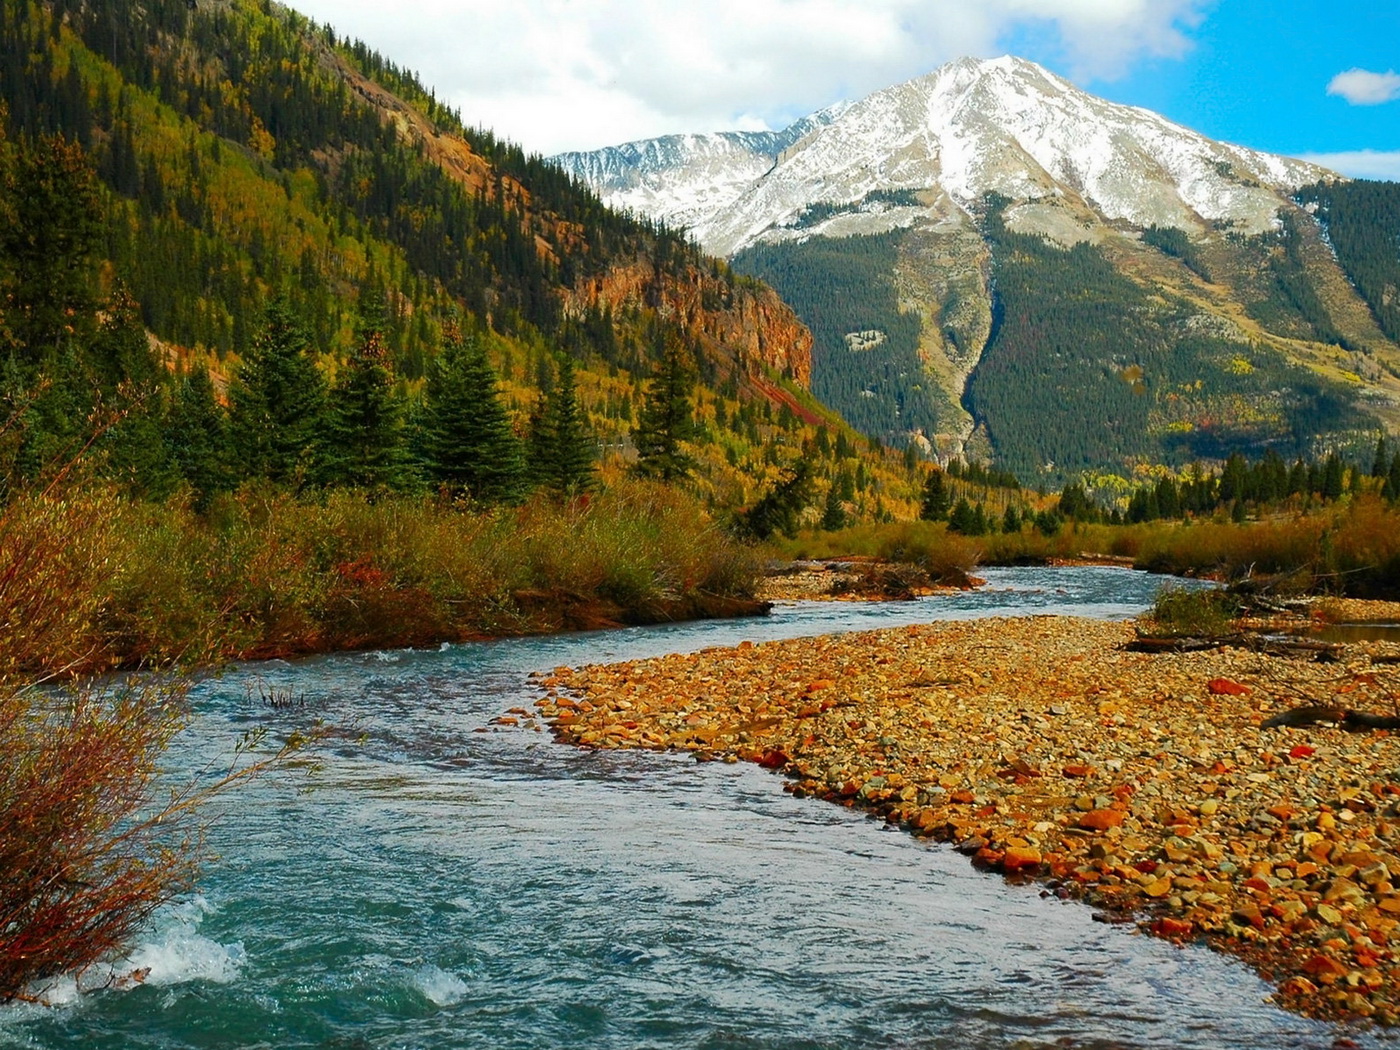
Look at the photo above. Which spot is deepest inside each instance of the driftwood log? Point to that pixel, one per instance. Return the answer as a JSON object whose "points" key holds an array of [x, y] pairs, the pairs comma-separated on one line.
{"points": [[1315, 714], [1270, 646]]}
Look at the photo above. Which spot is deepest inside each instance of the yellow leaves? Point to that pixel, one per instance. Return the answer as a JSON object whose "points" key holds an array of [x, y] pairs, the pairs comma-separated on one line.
{"points": [[260, 140]]}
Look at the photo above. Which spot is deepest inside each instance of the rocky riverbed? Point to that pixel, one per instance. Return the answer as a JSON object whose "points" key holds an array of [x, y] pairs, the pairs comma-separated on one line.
{"points": [[1142, 783]]}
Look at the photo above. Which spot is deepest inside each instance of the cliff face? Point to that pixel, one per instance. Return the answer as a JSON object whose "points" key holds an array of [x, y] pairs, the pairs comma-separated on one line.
{"points": [[746, 326]]}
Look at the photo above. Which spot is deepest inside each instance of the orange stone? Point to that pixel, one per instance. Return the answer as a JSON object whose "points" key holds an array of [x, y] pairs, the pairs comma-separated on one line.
{"points": [[1225, 687], [1102, 819], [1018, 857]]}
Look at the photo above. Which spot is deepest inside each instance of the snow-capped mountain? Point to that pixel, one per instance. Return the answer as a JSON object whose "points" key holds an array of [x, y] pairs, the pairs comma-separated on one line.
{"points": [[973, 126], [686, 179], [895, 226]]}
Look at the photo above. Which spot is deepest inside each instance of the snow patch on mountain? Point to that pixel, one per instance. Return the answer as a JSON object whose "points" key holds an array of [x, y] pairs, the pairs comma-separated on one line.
{"points": [[971, 127]]}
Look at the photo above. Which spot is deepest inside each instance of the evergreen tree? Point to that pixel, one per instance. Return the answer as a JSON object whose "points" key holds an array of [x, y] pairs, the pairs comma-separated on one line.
{"points": [[278, 401], [937, 500], [561, 451], [467, 440], [666, 423], [962, 518], [780, 508], [1333, 477], [833, 513], [46, 243], [1075, 503], [1380, 465], [198, 436], [1011, 520], [364, 437], [129, 380], [1392, 481]]}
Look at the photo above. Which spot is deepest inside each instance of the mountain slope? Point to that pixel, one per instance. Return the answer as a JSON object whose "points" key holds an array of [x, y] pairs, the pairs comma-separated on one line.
{"points": [[1223, 264]]}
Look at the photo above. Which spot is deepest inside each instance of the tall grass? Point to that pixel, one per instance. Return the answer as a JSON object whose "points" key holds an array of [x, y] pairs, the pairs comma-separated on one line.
{"points": [[1353, 549], [264, 574]]}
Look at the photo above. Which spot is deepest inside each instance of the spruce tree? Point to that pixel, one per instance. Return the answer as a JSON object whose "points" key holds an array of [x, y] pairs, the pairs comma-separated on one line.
{"points": [[364, 440], [561, 450], [937, 500], [278, 400], [962, 518], [129, 380], [780, 508], [666, 423], [1333, 478], [467, 441], [198, 436], [833, 513], [1380, 465]]}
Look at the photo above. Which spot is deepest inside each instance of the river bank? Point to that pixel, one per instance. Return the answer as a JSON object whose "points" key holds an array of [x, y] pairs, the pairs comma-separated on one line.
{"points": [[1143, 784]]}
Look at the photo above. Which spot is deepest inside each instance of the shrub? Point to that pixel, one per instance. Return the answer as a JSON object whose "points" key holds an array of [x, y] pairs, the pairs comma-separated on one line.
{"points": [[1198, 613]]}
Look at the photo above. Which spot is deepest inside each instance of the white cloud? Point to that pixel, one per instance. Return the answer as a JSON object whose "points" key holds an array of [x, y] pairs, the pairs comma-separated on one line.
{"points": [[1360, 163], [1361, 87], [577, 74]]}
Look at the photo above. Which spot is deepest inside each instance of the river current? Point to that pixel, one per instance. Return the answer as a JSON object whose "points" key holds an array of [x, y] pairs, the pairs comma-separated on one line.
{"points": [[435, 886]]}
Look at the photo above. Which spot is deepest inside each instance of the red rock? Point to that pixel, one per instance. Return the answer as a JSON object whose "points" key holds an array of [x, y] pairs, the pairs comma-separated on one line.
{"points": [[820, 684], [1019, 857], [1225, 687], [1302, 751], [1102, 819], [963, 798], [773, 759], [1326, 969], [1172, 929], [1077, 771]]}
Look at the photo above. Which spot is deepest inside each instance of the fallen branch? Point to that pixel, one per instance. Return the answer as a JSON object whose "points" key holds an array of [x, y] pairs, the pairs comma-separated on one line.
{"points": [[1346, 718], [1324, 651]]}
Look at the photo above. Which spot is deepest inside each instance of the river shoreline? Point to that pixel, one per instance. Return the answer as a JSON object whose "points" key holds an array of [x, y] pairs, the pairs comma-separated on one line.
{"points": [[1143, 784]]}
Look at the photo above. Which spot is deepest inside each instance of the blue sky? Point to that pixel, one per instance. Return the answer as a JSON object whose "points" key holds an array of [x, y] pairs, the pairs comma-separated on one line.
{"points": [[579, 74], [1257, 73]]}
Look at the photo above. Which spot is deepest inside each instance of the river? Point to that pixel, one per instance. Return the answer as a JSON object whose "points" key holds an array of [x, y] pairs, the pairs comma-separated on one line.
{"points": [[442, 887]]}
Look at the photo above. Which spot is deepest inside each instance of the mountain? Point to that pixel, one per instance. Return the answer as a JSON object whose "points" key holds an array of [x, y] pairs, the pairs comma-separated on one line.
{"points": [[232, 151], [996, 262], [685, 179]]}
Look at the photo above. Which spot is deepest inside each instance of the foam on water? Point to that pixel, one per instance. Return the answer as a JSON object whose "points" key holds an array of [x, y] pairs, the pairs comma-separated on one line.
{"points": [[174, 951], [438, 986]]}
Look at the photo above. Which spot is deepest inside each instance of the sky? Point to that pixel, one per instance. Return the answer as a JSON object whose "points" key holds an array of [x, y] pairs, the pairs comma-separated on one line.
{"points": [[1318, 79]]}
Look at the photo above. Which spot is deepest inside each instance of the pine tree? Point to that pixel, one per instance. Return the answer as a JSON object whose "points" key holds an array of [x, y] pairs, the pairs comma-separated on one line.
{"points": [[1011, 520], [130, 382], [198, 435], [962, 518], [278, 401], [780, 508], [666, 423], [365, 443], [47, 238], [562, 451], [1333, 477], [937, 500], [467, 441], [1380, 465], [833, 513]]}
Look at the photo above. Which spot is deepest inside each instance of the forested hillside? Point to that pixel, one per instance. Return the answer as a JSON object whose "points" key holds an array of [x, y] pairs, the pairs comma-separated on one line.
{"points": [[1088, 368], [842, 288], [244, 186], [1362, 222]]}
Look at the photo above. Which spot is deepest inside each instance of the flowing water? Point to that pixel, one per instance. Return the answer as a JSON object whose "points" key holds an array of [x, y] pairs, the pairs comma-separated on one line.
{"points": [[441, 887]]}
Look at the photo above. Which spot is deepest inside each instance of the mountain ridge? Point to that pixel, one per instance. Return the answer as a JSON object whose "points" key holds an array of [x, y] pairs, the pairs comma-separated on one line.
{"points": [[876, 226]]}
